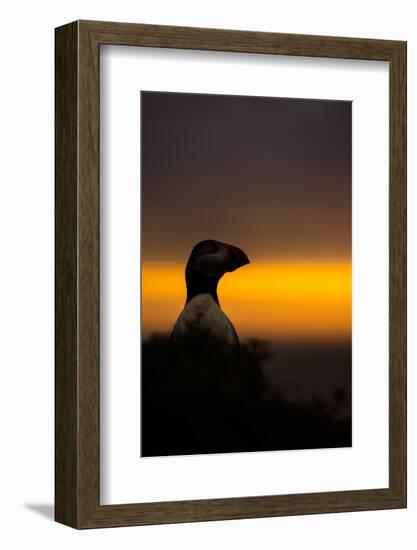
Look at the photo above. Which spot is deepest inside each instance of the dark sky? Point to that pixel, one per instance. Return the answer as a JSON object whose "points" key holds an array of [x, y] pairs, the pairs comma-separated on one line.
{"points": [[272, 175]]}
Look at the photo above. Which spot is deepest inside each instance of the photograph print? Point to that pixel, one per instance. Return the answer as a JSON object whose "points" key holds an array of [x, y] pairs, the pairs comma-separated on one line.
{"points": [[246, 274]]}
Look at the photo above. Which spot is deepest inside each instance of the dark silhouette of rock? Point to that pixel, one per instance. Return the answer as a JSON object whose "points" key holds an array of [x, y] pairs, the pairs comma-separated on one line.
{"points": [[196, 401]]}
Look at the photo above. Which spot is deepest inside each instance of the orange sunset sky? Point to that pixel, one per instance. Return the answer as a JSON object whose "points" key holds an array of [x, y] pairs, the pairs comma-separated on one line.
{"points": [[270, 175]]}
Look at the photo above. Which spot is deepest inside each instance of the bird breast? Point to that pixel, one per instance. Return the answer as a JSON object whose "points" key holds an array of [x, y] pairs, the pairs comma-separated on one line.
{"points": [[203, 316]]}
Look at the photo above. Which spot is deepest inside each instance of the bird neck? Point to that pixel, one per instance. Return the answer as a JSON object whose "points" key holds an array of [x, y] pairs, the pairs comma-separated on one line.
{"points": [[198, 283]]}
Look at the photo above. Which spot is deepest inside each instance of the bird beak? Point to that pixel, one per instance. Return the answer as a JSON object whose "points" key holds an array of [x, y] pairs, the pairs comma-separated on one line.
{"points": [[237, 257]]}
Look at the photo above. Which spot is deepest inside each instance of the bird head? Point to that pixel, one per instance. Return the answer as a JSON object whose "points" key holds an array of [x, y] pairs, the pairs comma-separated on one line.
{"points": [[213, 259]]}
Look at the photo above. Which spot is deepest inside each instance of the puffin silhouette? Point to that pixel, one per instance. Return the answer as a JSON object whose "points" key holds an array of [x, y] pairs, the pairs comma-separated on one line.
{"points": [[202, 328]]}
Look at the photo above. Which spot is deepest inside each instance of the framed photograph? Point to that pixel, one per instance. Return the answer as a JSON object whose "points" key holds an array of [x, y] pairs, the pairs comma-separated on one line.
{"points": [[230, 274]]}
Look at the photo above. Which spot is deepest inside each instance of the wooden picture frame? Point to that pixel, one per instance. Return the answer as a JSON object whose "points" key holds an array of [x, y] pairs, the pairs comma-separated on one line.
{"points": [[77, 373]]}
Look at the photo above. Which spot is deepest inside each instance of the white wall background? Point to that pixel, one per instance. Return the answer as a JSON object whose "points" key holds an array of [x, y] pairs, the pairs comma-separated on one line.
{"points": [[26, 273]]}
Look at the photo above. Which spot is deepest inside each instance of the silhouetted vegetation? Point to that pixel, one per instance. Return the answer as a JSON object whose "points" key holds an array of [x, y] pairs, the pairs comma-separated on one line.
{"points": [[195, 400]]}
